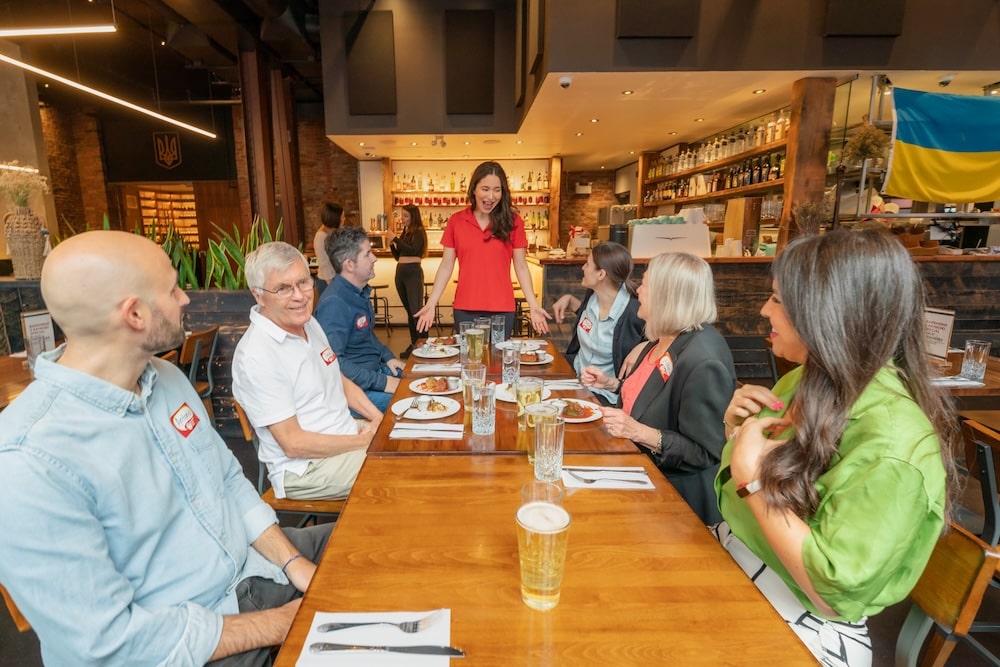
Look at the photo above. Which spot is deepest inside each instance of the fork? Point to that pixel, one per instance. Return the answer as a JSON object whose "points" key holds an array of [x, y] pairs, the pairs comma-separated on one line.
{"points": [[408, 627], [592, 480], [412, 405]]}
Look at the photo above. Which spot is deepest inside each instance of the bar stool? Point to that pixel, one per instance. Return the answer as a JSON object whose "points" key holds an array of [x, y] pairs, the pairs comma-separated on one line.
{"points": [[428, 286], [522, 314], [381, 303]]}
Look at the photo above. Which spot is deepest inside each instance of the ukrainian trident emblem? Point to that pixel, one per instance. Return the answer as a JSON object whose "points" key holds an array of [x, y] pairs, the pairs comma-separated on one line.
{"points": [[167, 149]]}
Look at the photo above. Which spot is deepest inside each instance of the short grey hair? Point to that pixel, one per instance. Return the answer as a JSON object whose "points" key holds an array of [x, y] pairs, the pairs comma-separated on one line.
{"points": [[269, 257], [344, 244], [681, 293]]}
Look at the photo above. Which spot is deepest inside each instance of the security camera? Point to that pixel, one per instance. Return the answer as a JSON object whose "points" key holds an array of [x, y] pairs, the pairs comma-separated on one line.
{"points": [[945, 80], [565, 81]]}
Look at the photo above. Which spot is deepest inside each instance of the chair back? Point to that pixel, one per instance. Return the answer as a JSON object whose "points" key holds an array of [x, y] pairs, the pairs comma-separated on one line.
{"points": [[171, 356], [982, 457], [200, 346], [20, 622], [251, 437], [973, 432], [948, 594]]}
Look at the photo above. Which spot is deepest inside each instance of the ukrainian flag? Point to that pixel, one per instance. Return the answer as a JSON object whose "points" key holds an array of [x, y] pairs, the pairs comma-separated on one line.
{"points": [[946, 148]]}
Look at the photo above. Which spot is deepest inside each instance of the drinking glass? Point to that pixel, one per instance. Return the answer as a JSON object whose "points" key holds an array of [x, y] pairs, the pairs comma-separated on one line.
{"points": [[498, 329], [529, 390], [474, 343], [549, 435], [472, 375], [463, 346], [484, 409], [511, 363], [484, 324], [977, 353], [535, 414], [542, 536]]}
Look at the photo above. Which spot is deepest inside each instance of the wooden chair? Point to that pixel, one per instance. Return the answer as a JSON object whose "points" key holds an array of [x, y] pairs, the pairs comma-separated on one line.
{"points": [[308, 509], [20, 622], [947, 598], [982, 456], [200, 347]]}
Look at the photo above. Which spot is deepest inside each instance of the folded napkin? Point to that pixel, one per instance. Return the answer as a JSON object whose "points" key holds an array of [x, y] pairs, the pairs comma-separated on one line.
{"points": [[563, 384], [411, 431], [956, 381], [438, 634], [616, 477], [437, 368]]}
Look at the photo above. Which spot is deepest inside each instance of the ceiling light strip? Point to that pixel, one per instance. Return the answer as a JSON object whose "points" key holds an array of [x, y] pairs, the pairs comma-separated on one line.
{"points": [[105, 96], [57, 30]]}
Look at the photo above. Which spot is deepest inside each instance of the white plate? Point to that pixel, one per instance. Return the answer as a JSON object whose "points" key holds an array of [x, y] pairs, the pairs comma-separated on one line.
{"points": [[434, 351], [561, 403], [441, 340], [546, 358], [419, 411], [454, 386], [525, 347], [506, 393]]}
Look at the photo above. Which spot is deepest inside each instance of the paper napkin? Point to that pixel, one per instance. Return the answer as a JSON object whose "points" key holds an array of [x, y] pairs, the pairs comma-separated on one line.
{"points": [[956, 381], [617, 477], [438, 634], [411, 431], [437, 368]]}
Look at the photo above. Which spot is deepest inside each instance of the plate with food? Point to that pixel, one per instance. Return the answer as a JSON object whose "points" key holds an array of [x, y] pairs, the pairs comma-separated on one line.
{"points": [[505, 392], [448, 341], [574, 411], [429, 351], [526, 346], [436, 385], [535, 358], [425, 407]]}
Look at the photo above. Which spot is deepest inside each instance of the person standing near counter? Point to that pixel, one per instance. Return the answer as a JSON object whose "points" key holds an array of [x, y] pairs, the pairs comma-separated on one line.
{"points": [[408, 249], [485, 238], [330, 219]]}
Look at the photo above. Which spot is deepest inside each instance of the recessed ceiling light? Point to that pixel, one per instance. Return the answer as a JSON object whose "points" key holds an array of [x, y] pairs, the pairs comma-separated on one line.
{"points": [[413, 143], [163, 42], [699, 120], [519, 142], [672, 133], [631, 152], [467, 143], [594, 120], [759, 91], [627, 92], [579, 134], [361, 143], [602, 166]]}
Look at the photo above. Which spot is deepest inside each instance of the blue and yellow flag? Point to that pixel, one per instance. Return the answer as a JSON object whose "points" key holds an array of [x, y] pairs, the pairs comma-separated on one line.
{"points": [[946, 148]]}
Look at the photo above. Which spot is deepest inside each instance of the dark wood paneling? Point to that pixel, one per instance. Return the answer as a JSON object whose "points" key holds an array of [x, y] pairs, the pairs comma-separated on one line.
{"points": [[664, 18], [218, 203], [864, 18], [371, 63], [468, 61]]}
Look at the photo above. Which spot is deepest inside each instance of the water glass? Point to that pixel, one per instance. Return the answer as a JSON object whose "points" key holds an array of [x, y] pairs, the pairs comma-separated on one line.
{"points": [[541, 492], [542, 536], [474, 343], [977, 353], [484, 409], [498, 329], [472, 375], [463, 346], [535, 414], [511, 364], [484, 323], [528, 390], [549, 435]]}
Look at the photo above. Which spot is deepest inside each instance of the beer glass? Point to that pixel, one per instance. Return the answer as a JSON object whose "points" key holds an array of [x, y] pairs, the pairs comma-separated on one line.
{"points": [[474, 339], [542, 536], [528, 391]]}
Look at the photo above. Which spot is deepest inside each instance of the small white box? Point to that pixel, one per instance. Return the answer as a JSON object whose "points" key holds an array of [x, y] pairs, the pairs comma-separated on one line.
{"points": [[38, 324], [650, 240]]}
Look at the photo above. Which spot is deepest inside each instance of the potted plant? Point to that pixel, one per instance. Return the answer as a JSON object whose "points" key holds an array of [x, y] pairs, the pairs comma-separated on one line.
{"points": [[24, 230], [867, 142]]}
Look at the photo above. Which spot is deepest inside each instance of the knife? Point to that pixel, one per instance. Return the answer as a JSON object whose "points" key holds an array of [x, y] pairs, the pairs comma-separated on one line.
{"points": [[320, 647], [633, 471]]}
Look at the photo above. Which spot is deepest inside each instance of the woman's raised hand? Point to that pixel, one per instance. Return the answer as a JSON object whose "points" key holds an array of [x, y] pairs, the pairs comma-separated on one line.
{"points": [[562, 304], [540, 319], [425, 317], [751, 442], [592, 376], [748, 401]]}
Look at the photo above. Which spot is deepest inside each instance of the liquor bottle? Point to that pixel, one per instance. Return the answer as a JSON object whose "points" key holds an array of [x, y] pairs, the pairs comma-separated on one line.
{"points": [[766, 173], [758, 136], [780, 127], [413, 182], [769, 132], [781, 166], [722, 152], [461, 185], [430, 184], [451, 183], [529, 185], [755, 171]]}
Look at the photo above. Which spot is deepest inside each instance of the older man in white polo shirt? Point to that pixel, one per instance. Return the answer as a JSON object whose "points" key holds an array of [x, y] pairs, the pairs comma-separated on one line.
{"points": [[288, 379]]}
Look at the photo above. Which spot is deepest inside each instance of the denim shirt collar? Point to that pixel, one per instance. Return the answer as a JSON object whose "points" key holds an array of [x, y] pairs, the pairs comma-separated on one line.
{"points": [[100, 393]]}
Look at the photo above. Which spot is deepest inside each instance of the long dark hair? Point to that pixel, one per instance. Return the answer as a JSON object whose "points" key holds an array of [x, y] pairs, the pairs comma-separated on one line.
{"points": [[616, 261], [415, 228], [502, 215], [856, 299]]}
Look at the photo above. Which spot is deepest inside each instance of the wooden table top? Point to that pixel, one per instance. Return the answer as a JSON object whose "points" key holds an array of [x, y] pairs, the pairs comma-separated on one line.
{"points": [[991, 381], [14, 377], [590, 437], [558, 368], [988, 418], [645, 582]]}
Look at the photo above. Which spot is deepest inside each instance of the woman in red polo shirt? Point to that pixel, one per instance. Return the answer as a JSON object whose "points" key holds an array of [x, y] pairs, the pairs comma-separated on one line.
{"points": [[485, 238]]}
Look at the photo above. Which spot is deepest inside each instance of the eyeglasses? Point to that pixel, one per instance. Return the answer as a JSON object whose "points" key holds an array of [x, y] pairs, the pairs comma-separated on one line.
{"points": [[286, 291]]}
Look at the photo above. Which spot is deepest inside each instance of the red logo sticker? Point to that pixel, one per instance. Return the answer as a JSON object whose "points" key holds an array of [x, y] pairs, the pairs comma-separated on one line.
{"points": [[666, 366], [328, 356], [361, 322], [184, 420], [586, 324]]}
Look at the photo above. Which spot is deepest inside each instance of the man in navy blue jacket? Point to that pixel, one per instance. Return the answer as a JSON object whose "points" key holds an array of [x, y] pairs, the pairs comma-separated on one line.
{"points": [[346, 314]]}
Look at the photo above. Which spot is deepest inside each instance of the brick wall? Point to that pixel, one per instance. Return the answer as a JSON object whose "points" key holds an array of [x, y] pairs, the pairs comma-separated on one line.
{"points": [[90, 167], [73, 150], [242, 168], [328, 174], [581, 210]]}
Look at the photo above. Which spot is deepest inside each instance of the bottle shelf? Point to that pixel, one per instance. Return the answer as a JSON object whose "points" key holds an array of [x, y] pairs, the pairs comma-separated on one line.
{"points": [[766, 149], [721, 194]]}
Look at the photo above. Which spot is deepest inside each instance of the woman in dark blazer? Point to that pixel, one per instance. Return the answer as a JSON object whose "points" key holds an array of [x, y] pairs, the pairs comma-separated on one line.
{"points": [[677, 385]]}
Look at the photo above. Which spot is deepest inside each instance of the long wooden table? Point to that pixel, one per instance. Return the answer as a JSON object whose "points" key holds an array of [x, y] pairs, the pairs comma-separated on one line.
{"points": [[14, 377], [645, 581]]}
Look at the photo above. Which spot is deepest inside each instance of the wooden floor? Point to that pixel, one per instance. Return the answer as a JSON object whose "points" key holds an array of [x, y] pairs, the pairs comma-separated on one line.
{"points": [[21, 649]]}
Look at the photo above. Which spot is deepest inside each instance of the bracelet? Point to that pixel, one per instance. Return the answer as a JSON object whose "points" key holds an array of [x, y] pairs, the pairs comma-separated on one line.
{"points": [[289, 562], [748, 489], [729, 428], [659, 442]]}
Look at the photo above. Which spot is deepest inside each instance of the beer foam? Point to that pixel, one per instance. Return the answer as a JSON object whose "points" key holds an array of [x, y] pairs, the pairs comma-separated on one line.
{"points": [[542, 517]]}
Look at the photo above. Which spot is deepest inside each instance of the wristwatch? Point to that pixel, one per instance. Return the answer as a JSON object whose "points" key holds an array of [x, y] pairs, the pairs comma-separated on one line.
{"points": [[748, 489]]}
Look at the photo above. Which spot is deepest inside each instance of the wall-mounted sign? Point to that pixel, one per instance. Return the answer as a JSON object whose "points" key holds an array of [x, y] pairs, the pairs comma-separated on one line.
{"points": [[167, 149]]}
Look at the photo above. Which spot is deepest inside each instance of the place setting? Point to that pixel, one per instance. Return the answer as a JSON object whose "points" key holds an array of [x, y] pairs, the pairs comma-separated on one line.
{"points": [[434, 351], [615, 477], [380, 639], [424, 409], [576, 411]]}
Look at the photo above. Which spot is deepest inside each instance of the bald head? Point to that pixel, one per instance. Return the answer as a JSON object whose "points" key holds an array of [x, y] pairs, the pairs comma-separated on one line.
{"points": [[87, 276]]}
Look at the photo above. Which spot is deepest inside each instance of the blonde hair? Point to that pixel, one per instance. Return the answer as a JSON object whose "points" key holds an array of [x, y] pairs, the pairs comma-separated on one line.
{"points": [[681, 293]]}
